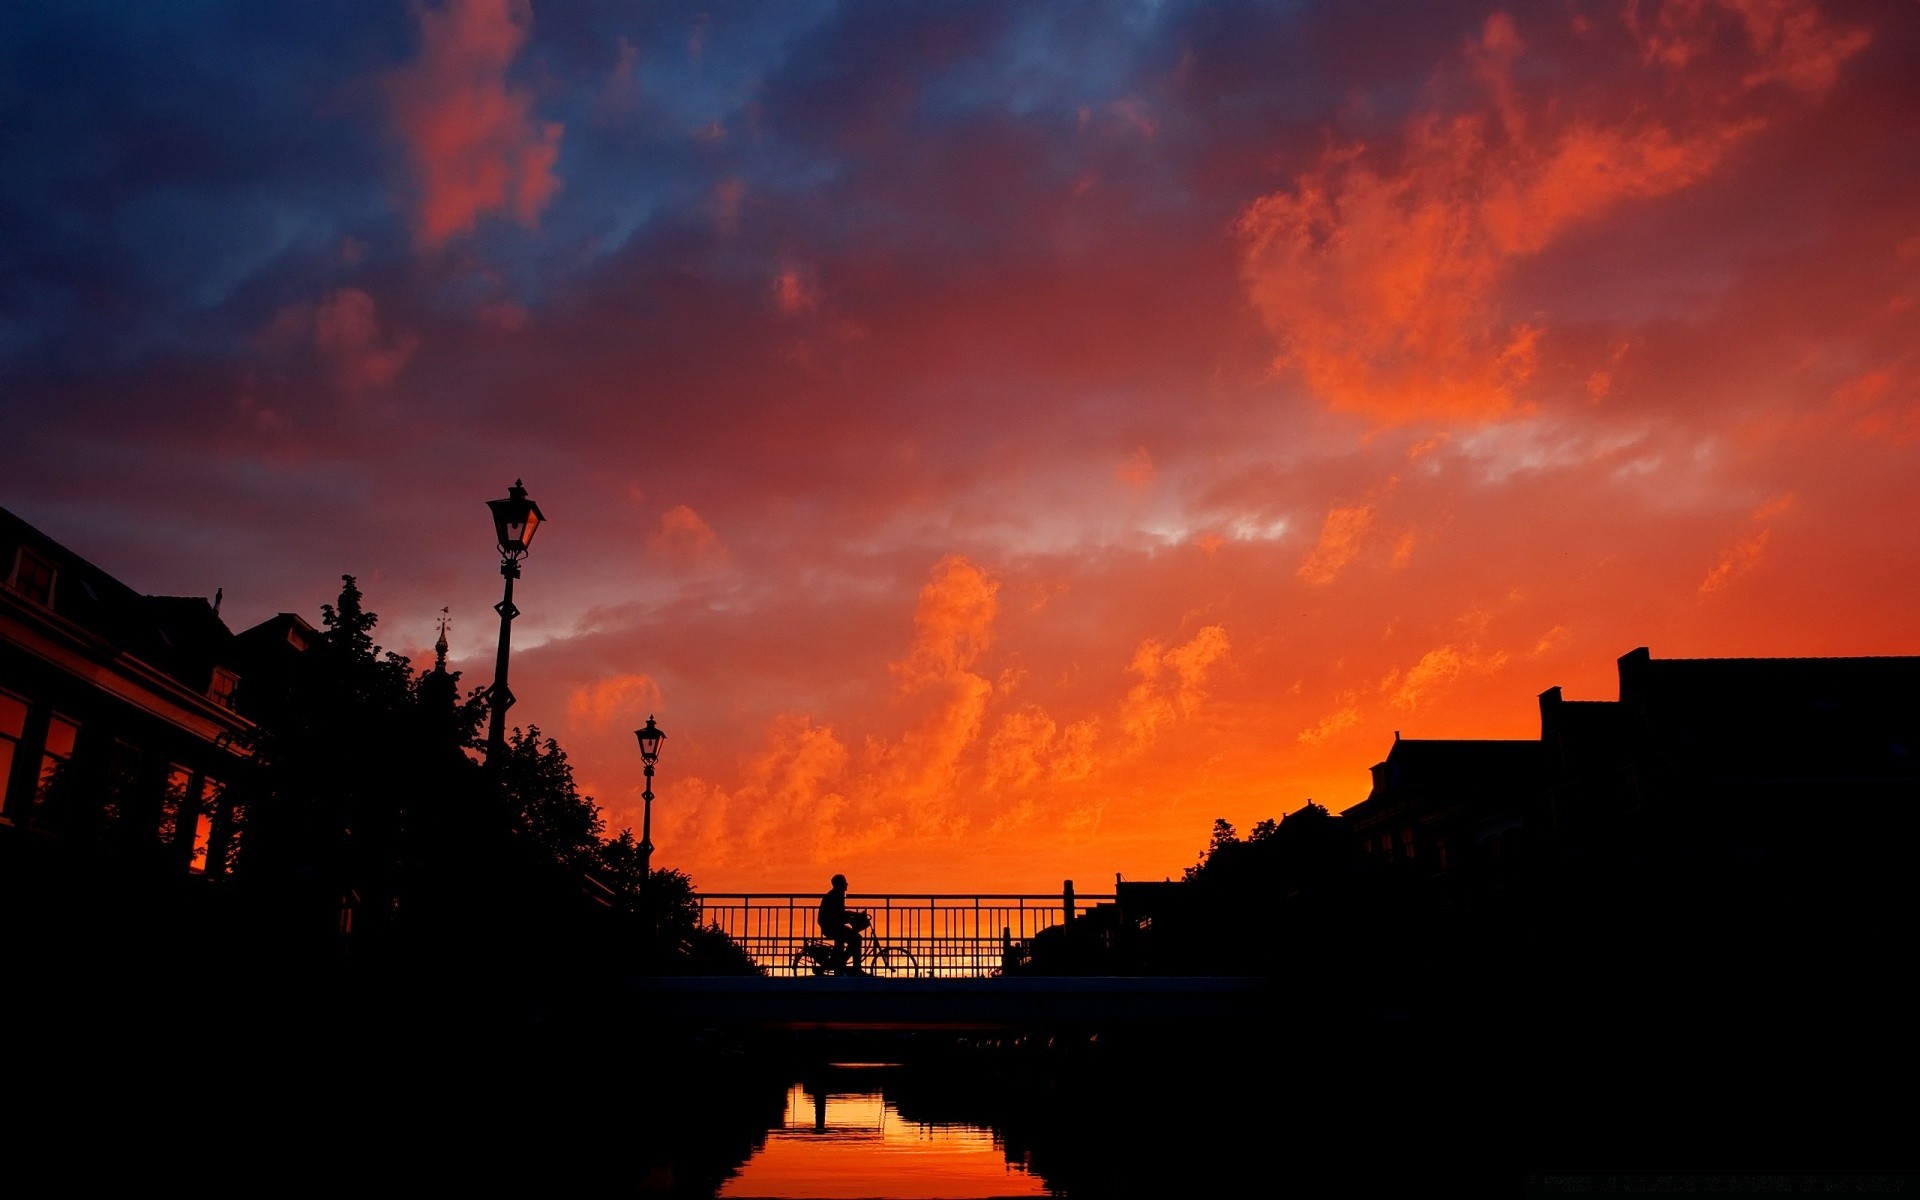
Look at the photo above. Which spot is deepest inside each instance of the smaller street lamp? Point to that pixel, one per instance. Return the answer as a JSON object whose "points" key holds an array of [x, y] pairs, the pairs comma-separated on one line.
{"points": [[650, 739], [514, 521]]}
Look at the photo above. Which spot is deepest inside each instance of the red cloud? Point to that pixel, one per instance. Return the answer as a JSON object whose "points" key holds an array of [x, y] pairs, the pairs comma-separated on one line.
{"points": [[475, 147], [683, 535], [1379, 272]]}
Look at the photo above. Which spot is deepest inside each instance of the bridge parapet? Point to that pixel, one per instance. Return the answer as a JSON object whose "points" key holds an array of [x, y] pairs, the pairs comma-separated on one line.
{"points": [[948, 935]]}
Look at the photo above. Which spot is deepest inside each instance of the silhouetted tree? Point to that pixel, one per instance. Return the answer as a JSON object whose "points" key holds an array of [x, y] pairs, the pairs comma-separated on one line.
{"points": [[375, 842], [545, 804], [337, 835]]}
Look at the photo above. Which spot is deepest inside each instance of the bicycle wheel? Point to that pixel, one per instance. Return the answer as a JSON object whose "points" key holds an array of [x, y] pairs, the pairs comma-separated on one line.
{"points": [[894, 962], [806, 964]]}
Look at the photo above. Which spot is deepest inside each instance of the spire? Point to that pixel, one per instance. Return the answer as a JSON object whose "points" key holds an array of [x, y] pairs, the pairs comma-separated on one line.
{"points": [[440, 647]]}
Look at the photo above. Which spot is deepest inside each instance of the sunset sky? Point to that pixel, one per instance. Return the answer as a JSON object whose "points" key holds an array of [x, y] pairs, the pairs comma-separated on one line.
{"points": [[994, 440]]}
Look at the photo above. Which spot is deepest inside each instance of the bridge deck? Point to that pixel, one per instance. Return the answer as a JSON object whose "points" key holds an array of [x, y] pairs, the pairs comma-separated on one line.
{"points": [[1001, 1003]]}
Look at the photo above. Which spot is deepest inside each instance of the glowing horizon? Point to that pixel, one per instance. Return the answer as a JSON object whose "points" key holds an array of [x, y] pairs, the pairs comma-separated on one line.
{"points": [[994, 444]]}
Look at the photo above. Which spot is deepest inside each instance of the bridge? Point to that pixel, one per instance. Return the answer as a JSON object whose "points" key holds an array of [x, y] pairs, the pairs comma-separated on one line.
{"points": [[929, 935], [948, 970]]}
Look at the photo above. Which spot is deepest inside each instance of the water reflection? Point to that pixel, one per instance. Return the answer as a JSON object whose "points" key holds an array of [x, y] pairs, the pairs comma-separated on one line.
{"points": [[843, 1137]]}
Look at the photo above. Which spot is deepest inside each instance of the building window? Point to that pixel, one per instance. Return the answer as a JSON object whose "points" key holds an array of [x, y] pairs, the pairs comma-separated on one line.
{"points": [[203, 828], [176, 804], [222, 687], [13, 727], [1406, 841], [33, 576], [56, 769], [123, 780], [227, 818]]}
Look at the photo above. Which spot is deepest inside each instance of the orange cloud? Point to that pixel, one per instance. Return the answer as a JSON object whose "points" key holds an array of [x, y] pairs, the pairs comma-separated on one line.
{"points": [[1343, 719], [1879, 405], [953, 624], [1434, 673], [1382, 286], [1155, 701], [1739, 558], [1340, 537], [684, 536], [607, 701], [474, 144], [787, 804], [1018, 750], [1791, 39]]}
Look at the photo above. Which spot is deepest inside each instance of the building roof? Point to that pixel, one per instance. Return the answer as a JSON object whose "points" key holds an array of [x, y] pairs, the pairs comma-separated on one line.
{"points": [[182, 637]]}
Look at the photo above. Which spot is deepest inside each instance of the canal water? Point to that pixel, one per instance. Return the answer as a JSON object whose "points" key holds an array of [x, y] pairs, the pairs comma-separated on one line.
{"points": [[842, 1136], [1074, 1120]]}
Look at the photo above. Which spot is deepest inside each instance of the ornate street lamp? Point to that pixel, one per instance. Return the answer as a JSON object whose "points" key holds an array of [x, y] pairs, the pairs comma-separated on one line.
{"points": [[650, 739], [515, 521]]}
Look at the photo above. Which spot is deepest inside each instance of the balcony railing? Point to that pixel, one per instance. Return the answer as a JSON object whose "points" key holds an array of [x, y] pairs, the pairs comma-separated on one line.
{"points": [[949, 936]]}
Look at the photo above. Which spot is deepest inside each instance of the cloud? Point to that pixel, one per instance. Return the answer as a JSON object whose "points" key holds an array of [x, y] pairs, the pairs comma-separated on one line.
{"points": [[1881, 405], [1791, 41], [953, 624], [1333, 723], [344, 330], [616, 700], [684, 537], [1340, 537], [793, 292], [1019, 747], [1738, 559], [1157, 700], [475, 147], [1136, 471], [1436, 671], [1380, 271]]}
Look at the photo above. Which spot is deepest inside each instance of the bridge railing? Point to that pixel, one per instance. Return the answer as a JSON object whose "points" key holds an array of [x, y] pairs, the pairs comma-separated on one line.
{"points": [[950, 936]]}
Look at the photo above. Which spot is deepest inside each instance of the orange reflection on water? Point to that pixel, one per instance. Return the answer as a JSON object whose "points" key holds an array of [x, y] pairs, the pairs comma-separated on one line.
{"points": [[838, 1145]]}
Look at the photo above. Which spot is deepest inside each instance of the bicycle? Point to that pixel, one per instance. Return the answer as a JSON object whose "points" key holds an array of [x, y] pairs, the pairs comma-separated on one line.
{"points": [[819, 957]]}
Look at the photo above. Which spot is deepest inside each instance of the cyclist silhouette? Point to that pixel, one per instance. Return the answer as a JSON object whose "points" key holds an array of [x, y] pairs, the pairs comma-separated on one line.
{"points": [[842, 928]]}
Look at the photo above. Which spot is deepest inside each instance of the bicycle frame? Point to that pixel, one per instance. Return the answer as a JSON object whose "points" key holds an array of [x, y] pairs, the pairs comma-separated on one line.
{"points": [[817, 956]]}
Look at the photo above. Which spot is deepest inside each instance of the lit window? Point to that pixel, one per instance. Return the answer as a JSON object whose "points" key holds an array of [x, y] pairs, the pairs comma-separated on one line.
{"points": [[176, 804], [202, 835], [56, 760], [13, 727], [33, 576], [227, 819]]}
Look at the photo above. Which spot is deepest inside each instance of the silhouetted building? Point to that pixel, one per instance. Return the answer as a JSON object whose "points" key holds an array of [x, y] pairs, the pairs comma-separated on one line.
{"points": [[1437, 803], [1744, 758], [119, 739]]}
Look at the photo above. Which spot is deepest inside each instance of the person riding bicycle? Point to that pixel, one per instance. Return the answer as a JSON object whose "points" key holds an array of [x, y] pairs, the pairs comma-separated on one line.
{"points": [[841, 927]]}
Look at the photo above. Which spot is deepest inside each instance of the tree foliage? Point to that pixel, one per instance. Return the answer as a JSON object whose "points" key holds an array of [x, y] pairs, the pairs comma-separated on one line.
{"points": [[373, 831]]}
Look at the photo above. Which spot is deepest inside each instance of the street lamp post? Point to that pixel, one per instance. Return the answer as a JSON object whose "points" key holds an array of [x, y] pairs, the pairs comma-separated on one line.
{"points": [[514, 521], [650, 739]]}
